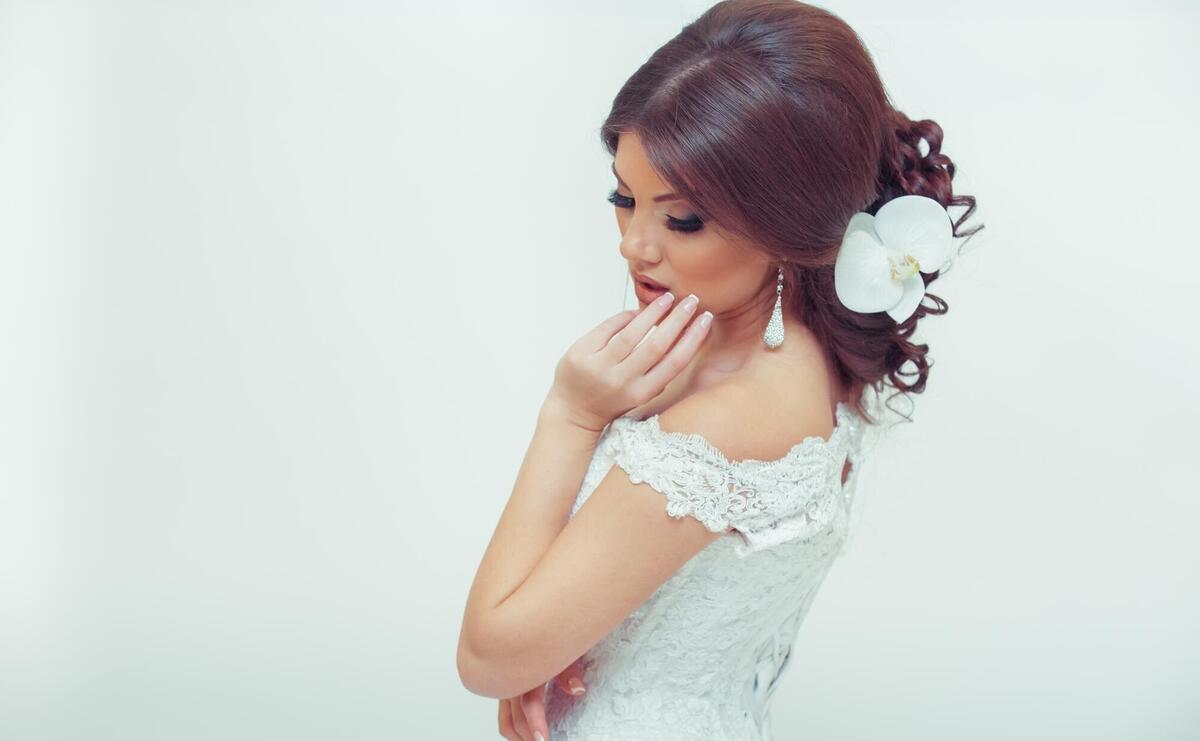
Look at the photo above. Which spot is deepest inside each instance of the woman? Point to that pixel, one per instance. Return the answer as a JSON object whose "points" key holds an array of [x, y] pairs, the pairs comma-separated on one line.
{"points": [[690, 477]]}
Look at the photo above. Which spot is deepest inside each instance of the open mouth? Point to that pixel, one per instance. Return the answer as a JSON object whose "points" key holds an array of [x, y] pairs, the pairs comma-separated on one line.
{"points": [[647, 292]]}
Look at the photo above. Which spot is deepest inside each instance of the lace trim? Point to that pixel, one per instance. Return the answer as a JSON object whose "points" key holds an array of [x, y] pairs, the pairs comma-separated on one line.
{"points": [[766, 501], [842, 415]]}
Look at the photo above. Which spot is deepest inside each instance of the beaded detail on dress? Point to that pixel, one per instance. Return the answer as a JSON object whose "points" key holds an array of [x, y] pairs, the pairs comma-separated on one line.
{"points": [[700, 658]]}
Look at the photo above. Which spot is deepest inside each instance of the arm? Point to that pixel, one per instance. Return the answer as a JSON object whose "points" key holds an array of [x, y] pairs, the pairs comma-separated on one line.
{"points": [[537, 511], [608, 371], [605, 561]]}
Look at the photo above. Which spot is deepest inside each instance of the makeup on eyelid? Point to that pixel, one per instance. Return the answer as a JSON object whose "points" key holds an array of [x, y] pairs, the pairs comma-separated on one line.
{"points": [[691, 224]]}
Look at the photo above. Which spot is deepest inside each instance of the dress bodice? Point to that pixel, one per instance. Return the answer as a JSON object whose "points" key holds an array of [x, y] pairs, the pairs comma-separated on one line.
{"points": [[700, 658]]}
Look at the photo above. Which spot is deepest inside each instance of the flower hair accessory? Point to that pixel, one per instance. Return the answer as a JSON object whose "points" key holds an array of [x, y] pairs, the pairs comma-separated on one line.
{"points": [[881, 258]]}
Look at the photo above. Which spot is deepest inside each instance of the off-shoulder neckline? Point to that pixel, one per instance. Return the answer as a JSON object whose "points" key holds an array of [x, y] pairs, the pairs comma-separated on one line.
{"points": [[841, 428]]}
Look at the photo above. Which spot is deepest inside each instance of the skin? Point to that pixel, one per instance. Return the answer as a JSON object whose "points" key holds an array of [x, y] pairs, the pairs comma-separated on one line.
{"points": [[550, 586]]}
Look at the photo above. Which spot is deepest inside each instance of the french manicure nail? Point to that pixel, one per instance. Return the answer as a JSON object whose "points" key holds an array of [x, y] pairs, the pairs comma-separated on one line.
{"points": [[575, 686], [539, 735], [666, 299], [706, 319], [690, 302]]}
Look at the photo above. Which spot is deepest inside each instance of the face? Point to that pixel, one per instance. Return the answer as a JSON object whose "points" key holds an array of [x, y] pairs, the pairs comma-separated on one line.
{"points": [[664, 239]]}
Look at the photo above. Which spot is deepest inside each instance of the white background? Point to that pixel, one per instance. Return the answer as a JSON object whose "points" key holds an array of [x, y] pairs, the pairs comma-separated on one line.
{"points": [[283, 284]]}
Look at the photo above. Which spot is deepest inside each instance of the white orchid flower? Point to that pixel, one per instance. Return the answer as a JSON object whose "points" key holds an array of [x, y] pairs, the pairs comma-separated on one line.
{"points": [[882, 256]]}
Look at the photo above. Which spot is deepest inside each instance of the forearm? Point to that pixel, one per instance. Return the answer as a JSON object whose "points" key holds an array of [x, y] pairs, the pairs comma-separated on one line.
{"points": [[537, 510]]}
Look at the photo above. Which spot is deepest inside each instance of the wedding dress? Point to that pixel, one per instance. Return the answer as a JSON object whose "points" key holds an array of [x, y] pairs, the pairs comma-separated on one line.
{"points": [[702, 656]]}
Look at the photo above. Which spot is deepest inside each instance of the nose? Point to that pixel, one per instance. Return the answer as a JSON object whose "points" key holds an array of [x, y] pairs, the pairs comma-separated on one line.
{"points": [[639, 246]]}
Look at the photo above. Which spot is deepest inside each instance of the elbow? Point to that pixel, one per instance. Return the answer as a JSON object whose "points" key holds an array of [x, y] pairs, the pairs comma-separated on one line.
{"points": [[488, 673], [473, 673]]}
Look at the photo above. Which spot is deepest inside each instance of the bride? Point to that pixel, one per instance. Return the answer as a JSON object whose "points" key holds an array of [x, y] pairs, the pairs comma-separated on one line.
{"points": [[689, 481]]}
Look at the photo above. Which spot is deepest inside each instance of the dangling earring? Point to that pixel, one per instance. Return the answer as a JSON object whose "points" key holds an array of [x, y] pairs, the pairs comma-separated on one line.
{"points": [[774, 334]]}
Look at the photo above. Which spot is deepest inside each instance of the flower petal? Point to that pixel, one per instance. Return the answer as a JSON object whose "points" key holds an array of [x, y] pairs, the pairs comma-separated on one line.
{"points": [[914, 291], [918, 226], [861, 221], [862, 275]]}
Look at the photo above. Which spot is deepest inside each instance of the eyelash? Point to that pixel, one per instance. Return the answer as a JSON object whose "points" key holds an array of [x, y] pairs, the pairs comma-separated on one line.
{"points": [[693, 224]]}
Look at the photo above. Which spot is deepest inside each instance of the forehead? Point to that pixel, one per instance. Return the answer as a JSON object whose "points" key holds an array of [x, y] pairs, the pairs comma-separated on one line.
{"points": [[630, 161]]}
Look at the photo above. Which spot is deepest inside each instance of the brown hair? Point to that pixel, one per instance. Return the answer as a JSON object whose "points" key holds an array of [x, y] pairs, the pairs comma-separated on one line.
{"points": [[769, 117]]}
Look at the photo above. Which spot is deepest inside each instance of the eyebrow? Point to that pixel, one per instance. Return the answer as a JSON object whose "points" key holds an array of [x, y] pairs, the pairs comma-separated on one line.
{"points": [[657, 199]]}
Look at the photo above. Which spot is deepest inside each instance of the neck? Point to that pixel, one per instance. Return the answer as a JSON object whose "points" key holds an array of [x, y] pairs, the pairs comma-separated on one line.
{"points": [[735, 339]]}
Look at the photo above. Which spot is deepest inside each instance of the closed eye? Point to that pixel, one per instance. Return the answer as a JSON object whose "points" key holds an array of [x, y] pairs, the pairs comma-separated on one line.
{"points": [[692, 224]]}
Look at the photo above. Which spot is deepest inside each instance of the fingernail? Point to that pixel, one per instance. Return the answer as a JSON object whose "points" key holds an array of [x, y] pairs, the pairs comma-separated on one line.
{"points": [[666, 299], [539, 735], [575, 686], [690, 302], [705, 318]]}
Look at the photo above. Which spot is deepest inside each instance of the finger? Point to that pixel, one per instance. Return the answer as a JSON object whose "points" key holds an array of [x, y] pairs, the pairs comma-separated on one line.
{"points": [[506, 722], [534, 704], [519, 719], [654, 381], [624, 341], [570, 680], [663, 339], [598, 336], [571, 685]]}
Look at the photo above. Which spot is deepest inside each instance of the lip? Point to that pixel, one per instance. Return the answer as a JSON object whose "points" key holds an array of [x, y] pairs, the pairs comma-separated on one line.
{"points": [[646, 279], [645, 294]]}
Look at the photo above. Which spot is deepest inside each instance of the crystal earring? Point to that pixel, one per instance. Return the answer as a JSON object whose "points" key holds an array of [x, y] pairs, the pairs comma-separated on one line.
{"points": [[774, 334]]}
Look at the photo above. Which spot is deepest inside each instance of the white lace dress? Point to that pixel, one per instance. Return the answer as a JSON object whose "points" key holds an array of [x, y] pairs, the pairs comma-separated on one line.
{"points": [[701, 657]]}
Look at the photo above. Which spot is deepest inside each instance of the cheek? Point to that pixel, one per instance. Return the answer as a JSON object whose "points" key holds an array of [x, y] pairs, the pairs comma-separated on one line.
{"points": [[721, 276], [707, 264]]}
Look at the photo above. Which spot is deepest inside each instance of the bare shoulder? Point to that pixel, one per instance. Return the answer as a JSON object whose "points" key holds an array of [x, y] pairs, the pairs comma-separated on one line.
{"points": [[753, 416]]}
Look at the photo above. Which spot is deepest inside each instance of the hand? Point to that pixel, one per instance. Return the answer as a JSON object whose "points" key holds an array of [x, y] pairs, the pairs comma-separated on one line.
{"points": [[524, 716], [607, 372]]}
